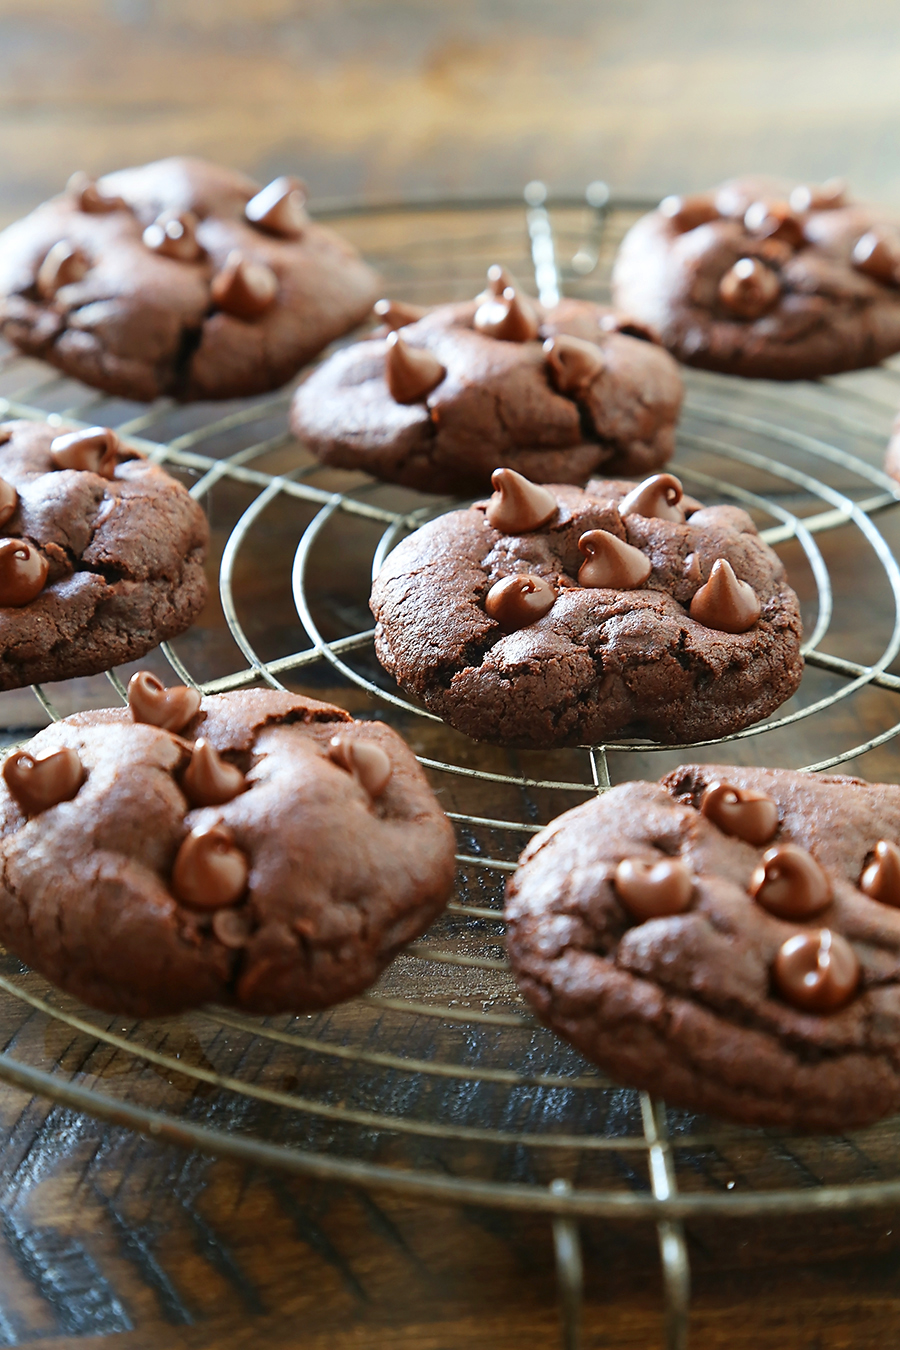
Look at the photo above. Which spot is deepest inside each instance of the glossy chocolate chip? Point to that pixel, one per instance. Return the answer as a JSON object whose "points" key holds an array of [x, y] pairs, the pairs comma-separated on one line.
{"points": [[232, 927], [817, 972], [210, 872], [89, 197], [499, 279], [174, 235], [520, 600], [819, 196], [748, 815], [658, 497], [209, 780], [518, 505], [64, 264], [280, 208], [9, 500], [411, 373], [686, 213], [93, 450], [511, 317], [790, 883], [774, 220], [749, 288], [611, 563], [881, 879], [652, 890], [23, 572], [37, 784], [396, 314], [243, 288], [572, 363], [725, 603], [878, 255], [368, 763], [150, 701]]}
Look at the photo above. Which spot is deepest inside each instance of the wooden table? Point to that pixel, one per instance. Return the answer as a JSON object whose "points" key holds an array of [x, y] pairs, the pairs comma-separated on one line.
{"points": [[110, 1239]]}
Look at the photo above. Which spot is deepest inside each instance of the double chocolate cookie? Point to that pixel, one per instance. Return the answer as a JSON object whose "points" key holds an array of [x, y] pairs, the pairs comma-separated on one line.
{"points": [[178, 278], [101, 554], [446, 397], [257, 849], [557, 616], [728, 938], [765, 278]]}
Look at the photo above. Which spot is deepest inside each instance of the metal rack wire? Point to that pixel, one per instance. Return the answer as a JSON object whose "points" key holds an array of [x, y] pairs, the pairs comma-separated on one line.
{"points": [[438, 1083]]}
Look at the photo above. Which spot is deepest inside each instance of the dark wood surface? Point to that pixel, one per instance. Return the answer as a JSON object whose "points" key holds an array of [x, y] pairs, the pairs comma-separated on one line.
{"points": [[112, 1240]]}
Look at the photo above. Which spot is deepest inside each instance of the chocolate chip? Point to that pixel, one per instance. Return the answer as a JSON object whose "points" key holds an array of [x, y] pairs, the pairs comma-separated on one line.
{"points": [[517, 601], [37, 784], [724, 603], [23, 572], [150, 701]]}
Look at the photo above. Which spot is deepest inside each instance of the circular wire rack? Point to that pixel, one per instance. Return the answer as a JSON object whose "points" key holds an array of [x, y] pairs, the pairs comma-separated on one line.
{"points": [[438, 1082]]}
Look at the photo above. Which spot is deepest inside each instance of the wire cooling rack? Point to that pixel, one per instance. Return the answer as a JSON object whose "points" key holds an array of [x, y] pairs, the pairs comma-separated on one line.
{"points": [[438, 1083]]}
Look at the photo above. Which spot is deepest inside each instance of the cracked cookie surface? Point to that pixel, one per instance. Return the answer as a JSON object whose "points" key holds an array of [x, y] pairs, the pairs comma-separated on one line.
{"points": [[497, 401], [141, 319], [766, 278], [124, 558], [339, 867], [693, 1005], [600, 660]]}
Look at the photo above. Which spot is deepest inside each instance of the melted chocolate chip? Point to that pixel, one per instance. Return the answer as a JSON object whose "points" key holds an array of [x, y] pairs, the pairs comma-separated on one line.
{"points": [[64, 264], [790, 883], [280, 208], [573, 363], [817, 972], [210, 871], [368, 763], [243, 288], [396, 314], [819, 197], [658, 497], [410, 372], [748, 815], [749, 288], [209, 780], [611, 563], [174, 235], [37, 784], [517, 505], [89, 197], [517, 601], [881, 879], [23, 572], [724, 603], [150, 701], [9, 499], [686, 213], [232, 927], [652, 890], [774, 220], [878, 255], [94, 450], [511, 317]]}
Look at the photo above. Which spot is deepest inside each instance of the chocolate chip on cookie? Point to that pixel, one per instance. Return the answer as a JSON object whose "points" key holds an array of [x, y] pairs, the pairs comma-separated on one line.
{"points": [[256, 849], [102, 557], [552, 615], [765, 278], [178, 278], [448, 394], [728, 938]]}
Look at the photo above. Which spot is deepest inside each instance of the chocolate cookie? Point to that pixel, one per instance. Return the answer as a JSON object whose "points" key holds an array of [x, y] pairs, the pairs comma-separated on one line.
{"points": [[764, 278], [178, 278], [443, 399], [257, 849], [101, 554], [728, 939], [556, 616]]}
